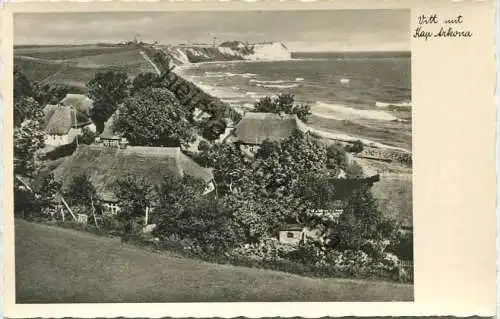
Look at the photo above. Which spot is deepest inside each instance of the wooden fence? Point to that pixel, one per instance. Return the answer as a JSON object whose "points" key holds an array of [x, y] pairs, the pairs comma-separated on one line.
{"points": [[407, 265]]}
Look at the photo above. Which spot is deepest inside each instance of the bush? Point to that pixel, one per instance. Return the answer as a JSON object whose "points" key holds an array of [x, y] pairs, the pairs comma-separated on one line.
{"points": [[356, 147], [61, 151], [87, 137], [111, 225]]}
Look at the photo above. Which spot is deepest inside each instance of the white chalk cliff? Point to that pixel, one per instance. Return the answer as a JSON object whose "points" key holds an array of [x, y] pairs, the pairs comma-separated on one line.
{"points": [[228, 51]]}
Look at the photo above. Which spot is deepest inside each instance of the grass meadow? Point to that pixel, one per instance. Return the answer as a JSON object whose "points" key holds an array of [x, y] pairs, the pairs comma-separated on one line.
{"points": [[56, 265]]}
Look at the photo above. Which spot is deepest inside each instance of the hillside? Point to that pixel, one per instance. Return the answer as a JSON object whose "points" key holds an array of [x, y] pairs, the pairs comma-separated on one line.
{"points": [[75, 66], [62, 265]]}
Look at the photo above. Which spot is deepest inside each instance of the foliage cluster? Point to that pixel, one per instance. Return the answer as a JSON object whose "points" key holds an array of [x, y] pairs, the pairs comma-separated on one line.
{"points": [[283, 103]]}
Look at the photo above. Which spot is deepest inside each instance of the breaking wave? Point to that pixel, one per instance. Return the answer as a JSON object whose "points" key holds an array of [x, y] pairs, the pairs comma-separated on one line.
{"points": [[278, 86], [384, 104], [267, 81], [209, 74], [342, 112]]}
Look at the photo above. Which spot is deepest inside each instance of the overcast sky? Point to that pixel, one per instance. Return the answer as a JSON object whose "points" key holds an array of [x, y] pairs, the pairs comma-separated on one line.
{"points": [[332, 30]]}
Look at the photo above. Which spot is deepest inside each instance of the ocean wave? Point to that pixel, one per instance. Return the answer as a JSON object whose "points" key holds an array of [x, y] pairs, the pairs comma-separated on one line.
{"points": [[247, 75], [342, 112], [222, 93], [384, 104], [278, 86], [210, 74], [267, 81], [299, 79]]}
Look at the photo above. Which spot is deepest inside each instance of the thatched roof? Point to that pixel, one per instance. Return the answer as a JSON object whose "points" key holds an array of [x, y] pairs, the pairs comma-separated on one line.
{"points": [[292, 227], [59, 119], [104, 165], [80, 102], [255, 128]]}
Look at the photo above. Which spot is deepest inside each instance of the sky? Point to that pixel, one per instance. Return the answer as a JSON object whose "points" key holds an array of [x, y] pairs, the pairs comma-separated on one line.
{"points": [[320, 30]]}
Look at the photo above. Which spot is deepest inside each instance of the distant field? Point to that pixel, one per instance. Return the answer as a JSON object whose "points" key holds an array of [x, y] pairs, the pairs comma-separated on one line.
{"points": [[75, 66], [66, 52], [55, 265]]}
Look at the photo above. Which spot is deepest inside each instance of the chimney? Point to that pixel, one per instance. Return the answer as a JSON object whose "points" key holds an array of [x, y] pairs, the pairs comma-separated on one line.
{"points": [[123, 143]]}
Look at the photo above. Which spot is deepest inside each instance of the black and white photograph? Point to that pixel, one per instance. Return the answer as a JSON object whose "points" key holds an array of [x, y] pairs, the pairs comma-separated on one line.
{"points": [[213, 156]]}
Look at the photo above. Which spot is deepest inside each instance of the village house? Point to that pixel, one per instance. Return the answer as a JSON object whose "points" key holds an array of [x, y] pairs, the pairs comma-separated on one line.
{"points": [[291, 234], [254, 128], [62, 124], [106, 164]]}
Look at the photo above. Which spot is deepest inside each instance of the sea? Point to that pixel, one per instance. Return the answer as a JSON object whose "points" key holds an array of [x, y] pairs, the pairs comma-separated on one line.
{"points": [[366, 96]]}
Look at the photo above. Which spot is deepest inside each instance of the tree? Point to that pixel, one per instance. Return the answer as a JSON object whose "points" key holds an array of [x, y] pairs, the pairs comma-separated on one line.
{"points": [[81, 191], [28, 140], [213, 128], [208, 224], [336, 156], [161, 59], [316, 190], [175, 192], [203, 146], [153, 117], [135, 195], [278, 166], [361, 224], [22, 86], [146, 80], [256, 217], [175, 195], [26, 205], [108, 90], [283, 103], [49, 93], [230, 170], [48, 190], [26, 108], [355, 147]]}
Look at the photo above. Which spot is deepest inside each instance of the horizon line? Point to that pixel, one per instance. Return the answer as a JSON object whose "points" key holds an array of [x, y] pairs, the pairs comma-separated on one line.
{"points": [[178, 44]]}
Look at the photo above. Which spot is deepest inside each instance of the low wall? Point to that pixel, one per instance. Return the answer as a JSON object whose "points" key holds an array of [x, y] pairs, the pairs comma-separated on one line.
{"points": [[386, 155]]}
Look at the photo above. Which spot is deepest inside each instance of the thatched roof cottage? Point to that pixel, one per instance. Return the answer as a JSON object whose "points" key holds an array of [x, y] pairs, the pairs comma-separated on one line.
{"points": [[254, 128], [62, 124], [104, 165]]}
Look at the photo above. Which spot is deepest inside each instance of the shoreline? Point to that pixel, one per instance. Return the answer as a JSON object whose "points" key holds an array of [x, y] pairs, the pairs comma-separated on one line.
{"points": [[341, 137]]}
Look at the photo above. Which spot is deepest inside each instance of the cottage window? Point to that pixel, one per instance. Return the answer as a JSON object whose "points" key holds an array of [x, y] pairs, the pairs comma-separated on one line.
{"points": [[289, 235]]}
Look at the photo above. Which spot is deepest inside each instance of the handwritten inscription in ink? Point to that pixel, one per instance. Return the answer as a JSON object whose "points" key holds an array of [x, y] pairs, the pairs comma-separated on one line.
{"points": [[432, 26]]}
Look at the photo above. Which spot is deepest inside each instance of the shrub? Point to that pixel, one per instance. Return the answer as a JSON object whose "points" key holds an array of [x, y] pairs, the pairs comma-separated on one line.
{"points": [[87, 137], [111, 225], [203, 146], [283, 103], [356, 147]]}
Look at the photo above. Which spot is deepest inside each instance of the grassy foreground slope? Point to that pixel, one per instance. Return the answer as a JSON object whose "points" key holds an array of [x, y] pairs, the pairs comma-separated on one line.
{"points": [[66, 266]]}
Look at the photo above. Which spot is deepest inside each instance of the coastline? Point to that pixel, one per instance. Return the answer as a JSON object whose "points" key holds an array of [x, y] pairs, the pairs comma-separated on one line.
{"points": [[340, 137]]}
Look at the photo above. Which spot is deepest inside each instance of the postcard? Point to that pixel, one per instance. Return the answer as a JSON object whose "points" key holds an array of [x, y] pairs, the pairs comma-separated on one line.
{"points": [[280, 158]]}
